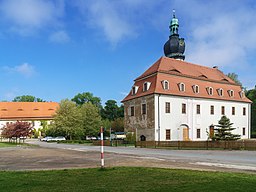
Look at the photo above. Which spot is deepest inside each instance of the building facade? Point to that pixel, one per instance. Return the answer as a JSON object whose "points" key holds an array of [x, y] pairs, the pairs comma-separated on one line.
{"points": [[34, 112], [176, 100]]}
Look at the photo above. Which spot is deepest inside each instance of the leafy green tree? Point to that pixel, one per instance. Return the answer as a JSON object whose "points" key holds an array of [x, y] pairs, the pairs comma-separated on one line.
{"points": [[27, 98], [234, 77], [121, 111], [251, 94], [224, 130], [67, 121], [110, 111], [87, 97], [118, 125], [91, 119]]}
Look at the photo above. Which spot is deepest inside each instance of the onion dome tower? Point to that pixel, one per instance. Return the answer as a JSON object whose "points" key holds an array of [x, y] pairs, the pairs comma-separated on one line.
{"points": [[175, 46]]}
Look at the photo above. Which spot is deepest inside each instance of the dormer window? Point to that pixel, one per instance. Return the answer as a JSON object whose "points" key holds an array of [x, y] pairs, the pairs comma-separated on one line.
{"points": [[165, 84], [220, 92], [231, 93], [134, 89], [182, 87], [241, 93], [196, 88], [146, 86], [210, 90]]}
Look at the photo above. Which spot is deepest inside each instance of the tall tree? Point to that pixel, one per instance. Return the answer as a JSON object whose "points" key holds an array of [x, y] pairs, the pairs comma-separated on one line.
{"points": [[110, 111], [251, 94], [118, 124], [67, 120], [91, 119], [224, 130], [87, 97], [27, 98], [234, 77]]}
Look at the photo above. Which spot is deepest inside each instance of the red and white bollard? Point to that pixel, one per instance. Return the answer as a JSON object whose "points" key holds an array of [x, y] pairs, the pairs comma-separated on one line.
{"points": [[102, 147]]}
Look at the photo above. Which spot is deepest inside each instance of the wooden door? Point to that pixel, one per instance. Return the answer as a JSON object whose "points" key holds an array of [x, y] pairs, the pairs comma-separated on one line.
{"points": [[185, 134]]}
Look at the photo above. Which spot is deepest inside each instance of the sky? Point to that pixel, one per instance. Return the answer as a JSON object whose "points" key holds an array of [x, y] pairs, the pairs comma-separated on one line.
{"points": [[55, 49]]}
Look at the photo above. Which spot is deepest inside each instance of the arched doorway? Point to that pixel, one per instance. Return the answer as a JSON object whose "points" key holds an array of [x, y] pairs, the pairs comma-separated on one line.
{"points": [[142, 138], [185, 132]]}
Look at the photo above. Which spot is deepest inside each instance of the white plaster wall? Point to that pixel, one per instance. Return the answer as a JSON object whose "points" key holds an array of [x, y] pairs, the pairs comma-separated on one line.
{"points": [[175, 118]]}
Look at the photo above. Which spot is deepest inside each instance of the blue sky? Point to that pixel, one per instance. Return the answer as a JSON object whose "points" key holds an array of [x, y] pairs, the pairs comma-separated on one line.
{"points": [[54, 49]]}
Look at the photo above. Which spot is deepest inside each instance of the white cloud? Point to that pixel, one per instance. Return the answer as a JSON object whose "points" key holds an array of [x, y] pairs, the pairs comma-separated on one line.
{"points": [[115, 20], [24, 69], [26, 16], [59, 37]]}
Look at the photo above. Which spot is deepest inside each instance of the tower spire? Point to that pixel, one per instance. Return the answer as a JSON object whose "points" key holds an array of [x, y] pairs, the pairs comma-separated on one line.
{"points": [[174, 24], [175, 46]]}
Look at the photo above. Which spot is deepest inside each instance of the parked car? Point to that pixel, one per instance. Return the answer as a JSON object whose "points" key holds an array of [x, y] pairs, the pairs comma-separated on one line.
{"points": [[59, 138], [48, 138]]}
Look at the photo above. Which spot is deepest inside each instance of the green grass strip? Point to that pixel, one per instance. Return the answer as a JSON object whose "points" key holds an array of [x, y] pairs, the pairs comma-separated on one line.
{"points": [[125, 179]]}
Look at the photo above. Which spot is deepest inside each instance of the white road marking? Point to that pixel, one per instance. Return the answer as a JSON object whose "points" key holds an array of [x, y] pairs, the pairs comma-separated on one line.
{"points": [[230, 166]]}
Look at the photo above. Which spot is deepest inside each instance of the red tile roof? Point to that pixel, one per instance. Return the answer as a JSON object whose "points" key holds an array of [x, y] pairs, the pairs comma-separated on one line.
{"points": [[177, 71], [27, 110]]}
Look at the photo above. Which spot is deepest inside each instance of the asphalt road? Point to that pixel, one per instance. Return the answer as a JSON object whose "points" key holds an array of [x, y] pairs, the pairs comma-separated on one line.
{"points": [[241, 161]]}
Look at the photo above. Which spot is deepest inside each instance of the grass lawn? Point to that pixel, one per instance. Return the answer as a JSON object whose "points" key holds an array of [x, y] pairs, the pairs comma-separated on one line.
{"points": [[125, 179], [6, 144]]}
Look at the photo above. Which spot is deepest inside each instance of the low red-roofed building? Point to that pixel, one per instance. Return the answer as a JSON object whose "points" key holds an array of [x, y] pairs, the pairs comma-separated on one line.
{"points": [[177, 100], [34, 112]]}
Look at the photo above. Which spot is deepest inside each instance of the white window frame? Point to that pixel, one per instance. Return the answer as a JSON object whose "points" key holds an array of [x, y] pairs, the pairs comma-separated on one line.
{"points": [[196, 89], [231, 93], [182, 87], [164, 83], [134, 89], [220, 92], [148, 86], [210, 90]]}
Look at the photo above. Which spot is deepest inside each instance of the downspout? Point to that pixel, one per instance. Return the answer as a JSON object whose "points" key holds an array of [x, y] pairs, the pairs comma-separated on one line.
{"points": [[159, 117], [249, 120]]}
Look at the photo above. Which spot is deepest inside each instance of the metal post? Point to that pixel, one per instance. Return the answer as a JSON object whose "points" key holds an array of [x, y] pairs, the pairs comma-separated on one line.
{"points": [[102, 147]]}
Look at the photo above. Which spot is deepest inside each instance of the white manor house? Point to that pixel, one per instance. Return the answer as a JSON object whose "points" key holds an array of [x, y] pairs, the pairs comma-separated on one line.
{"points": [[175, 100]]}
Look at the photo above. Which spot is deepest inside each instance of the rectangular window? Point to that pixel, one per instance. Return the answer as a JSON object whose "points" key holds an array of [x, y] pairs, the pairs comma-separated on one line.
{"points": [[233, 110], [168, 134], [198, 133], [244, 111], [132, 111], [167, 107], [222, 110], [212, 110], [197, 109], [183, 108], [144, 109], [243, 130]]}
